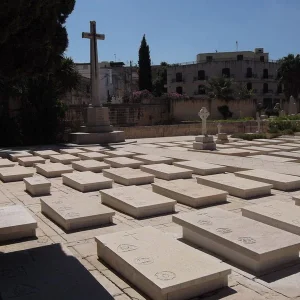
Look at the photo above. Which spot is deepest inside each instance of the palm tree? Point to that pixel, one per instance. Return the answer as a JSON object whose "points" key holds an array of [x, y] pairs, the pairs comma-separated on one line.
{"points": [[289, 75]]}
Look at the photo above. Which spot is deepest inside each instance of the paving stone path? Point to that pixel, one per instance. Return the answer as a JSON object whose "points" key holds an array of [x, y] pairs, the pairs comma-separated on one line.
{"points": [[150, 233]]}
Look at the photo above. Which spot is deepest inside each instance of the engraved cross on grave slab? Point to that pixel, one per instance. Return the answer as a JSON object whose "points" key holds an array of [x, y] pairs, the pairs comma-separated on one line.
{"points": [[95, 76], [203, 114]]}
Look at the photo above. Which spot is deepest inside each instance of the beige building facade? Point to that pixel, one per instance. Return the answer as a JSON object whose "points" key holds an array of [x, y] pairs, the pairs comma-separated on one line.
{"points": [[252, 69]]}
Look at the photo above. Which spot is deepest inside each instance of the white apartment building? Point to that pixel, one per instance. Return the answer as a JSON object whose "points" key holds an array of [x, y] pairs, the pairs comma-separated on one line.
{"points": [[250, 68]]}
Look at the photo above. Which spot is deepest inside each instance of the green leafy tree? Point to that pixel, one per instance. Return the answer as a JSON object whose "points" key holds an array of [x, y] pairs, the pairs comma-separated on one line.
{"points": [[145, 75], [289, 75], [220, 88]]}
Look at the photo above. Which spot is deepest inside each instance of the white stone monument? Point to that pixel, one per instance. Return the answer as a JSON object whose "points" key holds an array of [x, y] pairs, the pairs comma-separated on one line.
{"points": [[222, 137], [98, 129], [204, 141], [292, 106]]}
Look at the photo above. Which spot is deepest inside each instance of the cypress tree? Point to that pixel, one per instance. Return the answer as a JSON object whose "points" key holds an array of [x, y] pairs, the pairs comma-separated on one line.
{"points": [[145, 75]]}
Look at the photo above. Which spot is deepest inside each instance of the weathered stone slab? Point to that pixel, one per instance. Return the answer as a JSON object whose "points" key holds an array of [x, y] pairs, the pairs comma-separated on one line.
{"points": [[122, 162], [4, 163], [294, 146], [261, 150], [45, 153], [92, 148], [166, 144], [276, 213], [116, 153], [16, 222], [297, 199], [167, 172], [87, 181], [37, 186], [273, 158], [271, 141], [53, 169], [253, 245], [201, 168], [90, 165], [137, 202], [283, 147], [76, 213], [16, 173], [236, 186], [171, 270], [149, 159], [189, 193], [233, 151], [72, 151], [177, 148], [65, 159], [128, 176], [238, 144], [294, 155], [14, 156], [30, 161], [279, 181], [92, 155]]}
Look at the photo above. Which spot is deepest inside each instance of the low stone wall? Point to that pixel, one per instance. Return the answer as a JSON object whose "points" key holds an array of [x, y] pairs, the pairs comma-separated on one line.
{"points": [[136, 132]]}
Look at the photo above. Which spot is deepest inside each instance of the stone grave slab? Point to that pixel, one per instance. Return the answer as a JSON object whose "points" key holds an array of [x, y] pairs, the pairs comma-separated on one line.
{"points": [[30, 161], [72, 151], [238, 144], [150, 145], [90, 165], [166, 144], [149, 159], [92, 148], [137, 202], [14, 156], [161, 272], [288, 154], [223, 146], [261, 150], [273, 158], [233, 151], [122, 162], [189, 193], [296, 198], [92, 155], [65, 159], [294, 146], [76, 213], [271, 141], [282, 147], [201, 168], [86, 181], [16, 173], [167, 172], [236, 186], [279, 181], [4, 163], [128, 176], [16, 222], [276, 213], [53, 169], [116, 153], [253, 245], [37, 186], [177, 148], [45, 153], [258, 143]]}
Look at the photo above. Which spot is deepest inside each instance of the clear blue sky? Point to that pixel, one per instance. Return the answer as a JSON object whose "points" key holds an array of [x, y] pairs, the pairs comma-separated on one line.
{"points": [[177, 30]]}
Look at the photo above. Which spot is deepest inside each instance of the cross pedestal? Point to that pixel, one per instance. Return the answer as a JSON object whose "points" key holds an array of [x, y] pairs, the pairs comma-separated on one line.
{"points": [[97, 129], [204, 141], [222, 137]]}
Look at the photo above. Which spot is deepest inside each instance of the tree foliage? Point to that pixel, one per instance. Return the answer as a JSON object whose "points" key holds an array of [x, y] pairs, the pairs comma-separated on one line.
{"points": [[145, 75], [160, 80], [290, 75]]}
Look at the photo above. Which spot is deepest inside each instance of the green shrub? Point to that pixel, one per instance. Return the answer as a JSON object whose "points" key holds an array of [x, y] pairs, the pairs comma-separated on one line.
{"points": [[225, 112], [249, 136]]}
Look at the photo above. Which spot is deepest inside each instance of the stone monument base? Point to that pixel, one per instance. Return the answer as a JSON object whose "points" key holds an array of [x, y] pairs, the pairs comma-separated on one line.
{"points": [[204, 142], [222, 138], [98, 129]]}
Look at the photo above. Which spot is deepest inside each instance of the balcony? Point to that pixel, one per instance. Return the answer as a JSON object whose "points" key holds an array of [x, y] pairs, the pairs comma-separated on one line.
{"points": [[196, 78], [178, 81]]}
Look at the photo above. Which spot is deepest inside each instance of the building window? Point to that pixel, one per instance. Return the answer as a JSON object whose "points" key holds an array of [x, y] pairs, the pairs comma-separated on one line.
{"points": [[88, 90], [179, 77], [179, 90], [201, 89], [226, 72], [278, 75], [201, 75], [249, 73], [85, 67], [240, 57], [262, 58], [266, 73], [249, 86], [279, 89], [209, 58], [265, 88]]}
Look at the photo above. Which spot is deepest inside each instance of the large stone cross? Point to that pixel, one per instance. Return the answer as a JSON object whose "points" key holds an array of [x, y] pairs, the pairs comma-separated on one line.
{"points": [[203, 114], [95, 76]]}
